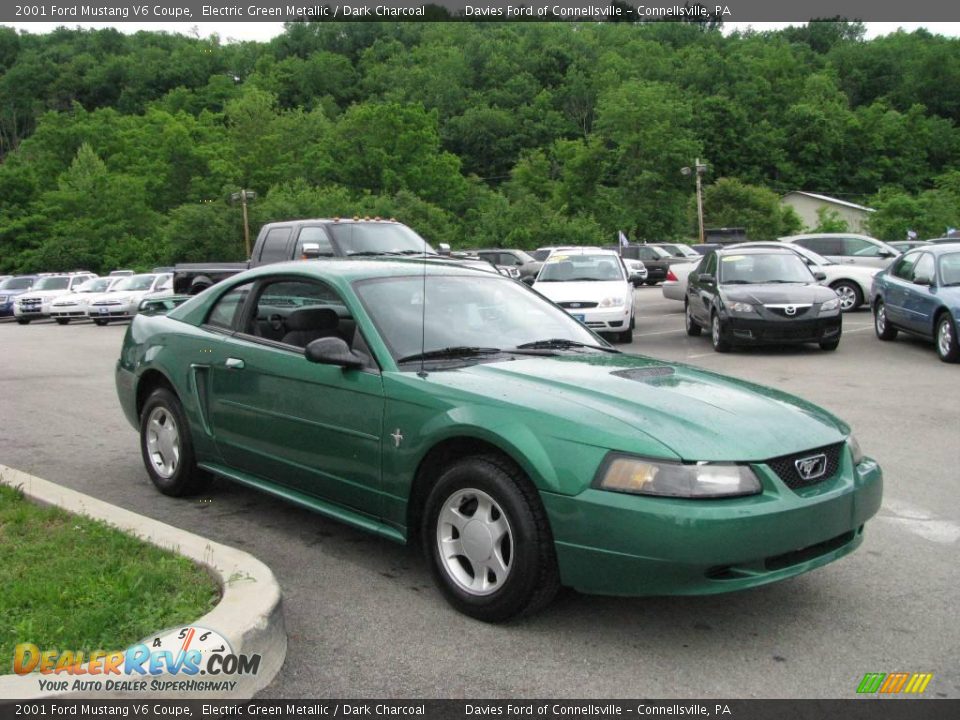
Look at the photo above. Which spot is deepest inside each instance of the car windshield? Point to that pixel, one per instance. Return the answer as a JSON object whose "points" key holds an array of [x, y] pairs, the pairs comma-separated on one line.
{"points": [[135, 282], [755, 268], [16, 283], [52, 283], [478, 311], [680, 250], [98, 285], [523, 256], [950, 269], [580, 268], [368, 238]]}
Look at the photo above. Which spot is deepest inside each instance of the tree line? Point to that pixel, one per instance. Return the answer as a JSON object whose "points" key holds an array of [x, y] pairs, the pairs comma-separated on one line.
{"points": [[123, 150]]}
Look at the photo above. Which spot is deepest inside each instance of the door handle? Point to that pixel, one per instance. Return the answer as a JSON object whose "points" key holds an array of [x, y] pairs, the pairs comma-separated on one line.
{"points": [[233, 364]]}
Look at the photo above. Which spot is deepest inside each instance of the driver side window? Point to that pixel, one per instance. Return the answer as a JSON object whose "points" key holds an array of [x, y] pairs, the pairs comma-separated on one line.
{"points": [[904, 267]]}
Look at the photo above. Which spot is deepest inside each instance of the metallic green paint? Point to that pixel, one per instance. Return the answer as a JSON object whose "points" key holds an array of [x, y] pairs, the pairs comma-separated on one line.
{"points": [[322, 437]]}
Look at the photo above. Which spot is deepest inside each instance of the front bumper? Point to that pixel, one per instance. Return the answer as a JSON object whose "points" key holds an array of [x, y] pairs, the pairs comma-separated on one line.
{"points": [[68, 311], [35, 311], [618, 544], [112, 312], [603, 320], [740, 330]]}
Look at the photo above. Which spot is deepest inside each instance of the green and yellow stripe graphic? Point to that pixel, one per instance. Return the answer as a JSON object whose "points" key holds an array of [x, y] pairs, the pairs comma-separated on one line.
{"points": [[914, 683]]}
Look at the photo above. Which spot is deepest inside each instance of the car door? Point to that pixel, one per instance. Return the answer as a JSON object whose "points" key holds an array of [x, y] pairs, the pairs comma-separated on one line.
{"points": [[858, 251], [920, 297], [315, 429], [701, 292], [899, 283]]}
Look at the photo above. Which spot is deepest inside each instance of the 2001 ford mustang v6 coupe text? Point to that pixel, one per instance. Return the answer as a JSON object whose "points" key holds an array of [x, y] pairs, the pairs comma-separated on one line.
{"points": [[464, 410]]}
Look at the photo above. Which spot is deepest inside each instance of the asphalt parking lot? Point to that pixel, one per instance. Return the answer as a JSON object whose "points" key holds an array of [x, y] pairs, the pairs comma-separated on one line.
{"points": [[364, 619]]}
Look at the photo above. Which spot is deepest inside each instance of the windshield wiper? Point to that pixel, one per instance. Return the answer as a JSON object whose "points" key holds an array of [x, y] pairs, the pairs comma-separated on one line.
{"points": [[451, 352], [371, 253], [415, 252], [561, 343], [737, 282]]}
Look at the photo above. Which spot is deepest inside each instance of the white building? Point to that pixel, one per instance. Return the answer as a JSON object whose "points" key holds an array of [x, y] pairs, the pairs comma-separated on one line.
{"points": [[807, 204]]}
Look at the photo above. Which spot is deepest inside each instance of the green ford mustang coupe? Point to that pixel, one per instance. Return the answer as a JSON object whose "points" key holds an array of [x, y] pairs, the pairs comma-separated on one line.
{"points": [[462, 410]]}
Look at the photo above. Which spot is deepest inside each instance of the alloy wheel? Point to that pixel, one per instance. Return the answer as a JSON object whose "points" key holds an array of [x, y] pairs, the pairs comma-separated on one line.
{"points": [[163, 442], [475, 542]]}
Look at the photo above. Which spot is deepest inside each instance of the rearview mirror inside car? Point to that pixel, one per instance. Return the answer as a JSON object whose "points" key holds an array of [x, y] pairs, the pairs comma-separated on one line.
{"points": [[332, 351]]}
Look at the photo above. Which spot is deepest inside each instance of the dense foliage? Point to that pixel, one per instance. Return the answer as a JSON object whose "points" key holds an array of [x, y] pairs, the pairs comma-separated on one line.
{"points": [[123, 150]]}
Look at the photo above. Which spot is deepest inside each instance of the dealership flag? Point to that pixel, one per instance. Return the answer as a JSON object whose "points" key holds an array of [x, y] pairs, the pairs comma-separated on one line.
{"points": [[623, 238]]}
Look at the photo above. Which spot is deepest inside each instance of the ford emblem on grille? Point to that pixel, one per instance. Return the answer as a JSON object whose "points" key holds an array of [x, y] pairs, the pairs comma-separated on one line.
{"points": [[790, 310], [811, 467]]}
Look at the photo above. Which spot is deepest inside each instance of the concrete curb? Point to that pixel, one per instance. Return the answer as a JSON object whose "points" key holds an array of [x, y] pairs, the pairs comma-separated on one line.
{"points": [[248, 614]]}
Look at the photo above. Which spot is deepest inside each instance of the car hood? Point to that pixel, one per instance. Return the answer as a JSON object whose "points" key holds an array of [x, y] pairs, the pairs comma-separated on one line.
{"points": [[43, 294], [590, 290], [616, 400], [775, 293]]}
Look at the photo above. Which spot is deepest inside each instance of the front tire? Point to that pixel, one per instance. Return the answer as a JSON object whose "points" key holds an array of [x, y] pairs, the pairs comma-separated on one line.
{"points": [[486, 536], [716, 334], [882, 326], [23, 321], [167, 448], [948, 345], [98, 321], [693, 328], [830, 345], [62, 321], [850, 294]]}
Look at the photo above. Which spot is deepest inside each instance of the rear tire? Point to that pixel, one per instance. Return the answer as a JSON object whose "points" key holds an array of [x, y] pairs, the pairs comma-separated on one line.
{"points": [[948, 345], [486, 536], [716, 334], [693, 329], [882, 326], [167, 448]]}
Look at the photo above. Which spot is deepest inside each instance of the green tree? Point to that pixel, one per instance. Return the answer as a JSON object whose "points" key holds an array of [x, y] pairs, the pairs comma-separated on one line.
{"points": [[731, 203]]}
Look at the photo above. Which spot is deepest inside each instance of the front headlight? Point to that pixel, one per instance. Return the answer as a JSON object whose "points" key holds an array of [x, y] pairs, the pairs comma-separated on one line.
{"points": [[741, 307], [700, 480], [830, 305], [612, 302], [855, 449]]}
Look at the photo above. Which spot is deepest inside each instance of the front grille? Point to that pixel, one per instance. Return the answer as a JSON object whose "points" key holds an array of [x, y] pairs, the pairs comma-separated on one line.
{"points": [[779, 562], [781, 310], [786, 469], [577, 305]]}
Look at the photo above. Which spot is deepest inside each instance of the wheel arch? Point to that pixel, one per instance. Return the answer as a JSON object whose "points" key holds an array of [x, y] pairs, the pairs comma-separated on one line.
{"points": [[150, 380], [939, 313], [447, 450]]}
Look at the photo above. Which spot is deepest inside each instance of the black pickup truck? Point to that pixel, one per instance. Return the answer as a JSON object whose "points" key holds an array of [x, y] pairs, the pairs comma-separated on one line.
{"points": [[318, 238]]}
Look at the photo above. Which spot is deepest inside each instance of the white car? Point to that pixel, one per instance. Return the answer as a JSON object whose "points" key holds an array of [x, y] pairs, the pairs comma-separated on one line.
{"points": [[123, 301], [35, 304], [851, 282], [674, 286], [73, 306], [592, 285], [636, 271], [847, 248]]}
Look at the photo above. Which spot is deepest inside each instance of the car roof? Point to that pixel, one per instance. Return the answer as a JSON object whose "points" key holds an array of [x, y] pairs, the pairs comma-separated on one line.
{"points": [[586, 250], [810, 236], [755, 251], [938, 248]]}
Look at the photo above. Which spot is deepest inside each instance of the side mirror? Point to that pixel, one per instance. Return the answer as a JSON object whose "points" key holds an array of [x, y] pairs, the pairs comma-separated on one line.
{"points": [[634, 277], [820, 275], [311, 251], [886, 254], [923, 280], [332, 351], [443, 249], [705, 278], [529, 279]]}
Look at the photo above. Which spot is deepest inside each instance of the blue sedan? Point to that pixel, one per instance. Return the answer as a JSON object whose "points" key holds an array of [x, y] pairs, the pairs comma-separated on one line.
{"points": [[919, 293]]}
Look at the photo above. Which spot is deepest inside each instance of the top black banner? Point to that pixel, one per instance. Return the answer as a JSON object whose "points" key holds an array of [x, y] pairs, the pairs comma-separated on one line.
{"points": [[120, 11]]}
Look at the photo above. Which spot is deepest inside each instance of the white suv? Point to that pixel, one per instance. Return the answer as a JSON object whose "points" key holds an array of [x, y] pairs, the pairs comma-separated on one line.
{"points": [[592, 285], [35, 304], [123, 300], [847, 248]]}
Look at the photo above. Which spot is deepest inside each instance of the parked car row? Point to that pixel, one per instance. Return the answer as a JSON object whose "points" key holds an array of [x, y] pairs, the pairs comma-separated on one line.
{"points": [[80, 295]]}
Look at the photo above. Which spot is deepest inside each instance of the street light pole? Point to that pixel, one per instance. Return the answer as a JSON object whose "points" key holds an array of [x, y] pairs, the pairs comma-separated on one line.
{"points": [[699, 168], [242, 197]]}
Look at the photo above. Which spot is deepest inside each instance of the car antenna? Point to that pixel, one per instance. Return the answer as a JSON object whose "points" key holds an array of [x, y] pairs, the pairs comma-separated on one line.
{"points": [[423, 316]]}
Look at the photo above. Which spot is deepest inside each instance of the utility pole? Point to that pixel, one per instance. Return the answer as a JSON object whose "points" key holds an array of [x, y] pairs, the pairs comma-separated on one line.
{"points": [[243, 197], [699, 168]]}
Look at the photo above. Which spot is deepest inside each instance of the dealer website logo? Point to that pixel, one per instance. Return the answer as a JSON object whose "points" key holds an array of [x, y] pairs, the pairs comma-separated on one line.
{"points": [[172, 661], [899, 682]]}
